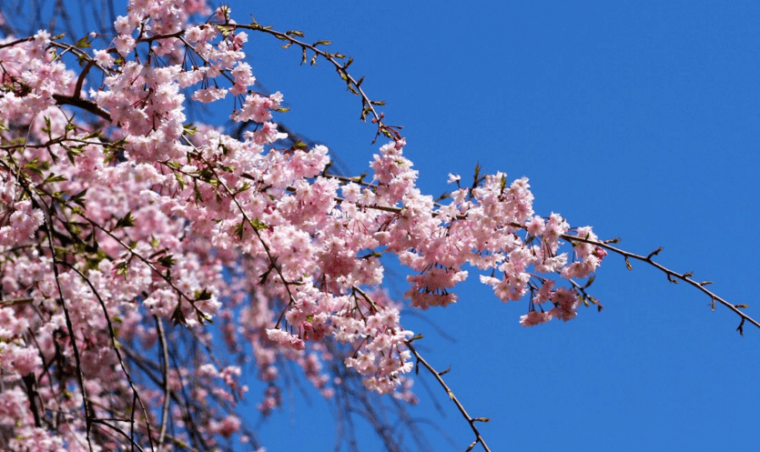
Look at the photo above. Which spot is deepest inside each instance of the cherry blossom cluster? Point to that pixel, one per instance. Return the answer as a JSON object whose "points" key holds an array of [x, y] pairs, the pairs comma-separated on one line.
{"points": [[122, 220]]}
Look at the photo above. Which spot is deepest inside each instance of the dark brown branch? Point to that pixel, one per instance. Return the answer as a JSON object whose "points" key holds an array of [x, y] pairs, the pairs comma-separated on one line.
{"points": [[69, 325], [115, 346], [368, 105], [13, 43], [16, 302], [437, 375], [167, 390], [686, 277], [86, 105]]}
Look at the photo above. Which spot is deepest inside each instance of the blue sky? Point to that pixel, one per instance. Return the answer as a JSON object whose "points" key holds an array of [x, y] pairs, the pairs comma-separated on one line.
{"points": [[638, 118]]}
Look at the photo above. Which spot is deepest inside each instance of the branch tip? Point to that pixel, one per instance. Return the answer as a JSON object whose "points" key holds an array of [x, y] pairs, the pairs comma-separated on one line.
{"points": [[654, 253]]}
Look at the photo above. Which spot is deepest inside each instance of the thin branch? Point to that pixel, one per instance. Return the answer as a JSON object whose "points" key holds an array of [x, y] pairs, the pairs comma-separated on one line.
{"points": [[18, 41], [16, 302], [47, 210], [353, 85], [437, 375], [167, 390], [114, 345], [686, 277]]}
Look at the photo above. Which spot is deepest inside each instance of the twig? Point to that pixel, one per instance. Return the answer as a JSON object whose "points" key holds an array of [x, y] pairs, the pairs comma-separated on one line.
{"points": [[686, 277], [165, 371], [115, 348], [69, 325], [368, 105], [437, 375]]}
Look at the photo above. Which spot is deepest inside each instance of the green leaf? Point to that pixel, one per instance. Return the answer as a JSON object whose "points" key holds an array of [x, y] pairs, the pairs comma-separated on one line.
{"points": [[178, 317], [203, 318], [189, 129], [83, 43], [127, 221], [122, 268], [167, 261], [239, 230], [36, 166], [79, 198], [476, 177], [203, 295], [258, 224], [244, 187], [73, 152], [93, 263], [53, 178]]}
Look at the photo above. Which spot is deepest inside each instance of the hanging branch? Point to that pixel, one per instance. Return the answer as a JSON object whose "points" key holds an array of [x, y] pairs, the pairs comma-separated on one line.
{"points": [[672, 276], [438, 376], [337, 60]]}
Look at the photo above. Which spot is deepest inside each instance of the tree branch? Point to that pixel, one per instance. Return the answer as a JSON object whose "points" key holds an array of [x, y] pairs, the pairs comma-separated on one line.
{"points": [[672, 276], [437, 375]]}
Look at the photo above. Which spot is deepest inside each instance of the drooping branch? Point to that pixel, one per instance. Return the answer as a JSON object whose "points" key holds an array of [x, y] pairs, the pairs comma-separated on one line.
{"points": [[89, 416], [673, 276], [439, 378], [337, 60]]}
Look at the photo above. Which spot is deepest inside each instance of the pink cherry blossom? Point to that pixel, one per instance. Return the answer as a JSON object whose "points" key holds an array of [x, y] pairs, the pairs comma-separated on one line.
{"points": [[124, 228]]}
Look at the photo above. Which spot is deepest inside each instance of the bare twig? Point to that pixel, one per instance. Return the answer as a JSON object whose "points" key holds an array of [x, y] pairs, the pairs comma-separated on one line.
{"points": [[165, 372], [672, 276], [437, 375]]}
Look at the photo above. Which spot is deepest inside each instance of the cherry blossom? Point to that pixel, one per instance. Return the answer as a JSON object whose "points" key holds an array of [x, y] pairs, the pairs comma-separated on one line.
{"points": [[125, 228]]}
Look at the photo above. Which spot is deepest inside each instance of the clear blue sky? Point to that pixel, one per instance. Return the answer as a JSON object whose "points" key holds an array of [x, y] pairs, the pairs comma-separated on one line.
{"points": [[640, 118]]}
